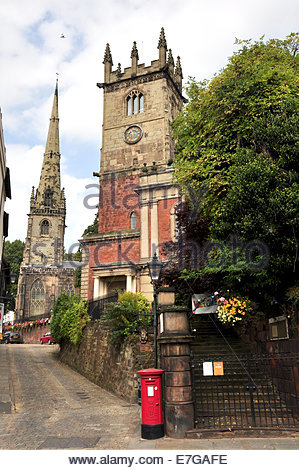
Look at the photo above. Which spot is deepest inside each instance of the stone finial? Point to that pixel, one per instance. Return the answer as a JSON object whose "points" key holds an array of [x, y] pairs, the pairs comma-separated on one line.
{"points": [[170, 61], [134, 52], [178, 68], [107, 56], [118, 70], [32, 193], [162, 40]]}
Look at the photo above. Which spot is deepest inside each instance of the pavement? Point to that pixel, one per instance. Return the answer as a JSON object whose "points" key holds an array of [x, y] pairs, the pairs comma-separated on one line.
{"points": [[46, 405]]}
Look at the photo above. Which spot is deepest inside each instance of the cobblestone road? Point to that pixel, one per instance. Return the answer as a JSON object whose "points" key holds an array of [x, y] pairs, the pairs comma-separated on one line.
{"points": [[46, 405], [54, 407]]}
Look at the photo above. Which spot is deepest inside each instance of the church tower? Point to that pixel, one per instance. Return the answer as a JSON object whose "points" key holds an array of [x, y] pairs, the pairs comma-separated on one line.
{"points": [[137, 194], [43, 272]]}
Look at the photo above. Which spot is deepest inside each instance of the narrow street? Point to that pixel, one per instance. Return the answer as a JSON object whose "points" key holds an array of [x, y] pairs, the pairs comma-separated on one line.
{"points": [[46, 405]]}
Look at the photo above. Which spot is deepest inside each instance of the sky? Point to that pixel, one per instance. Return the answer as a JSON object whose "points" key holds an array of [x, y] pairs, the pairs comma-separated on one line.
{"points": [[32, 52]]}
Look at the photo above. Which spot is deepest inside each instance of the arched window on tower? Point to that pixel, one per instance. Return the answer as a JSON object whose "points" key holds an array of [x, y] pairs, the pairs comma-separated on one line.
{"points": [[133, 221], [135, 103], [37, 300], [44, 228], [69, 288]]}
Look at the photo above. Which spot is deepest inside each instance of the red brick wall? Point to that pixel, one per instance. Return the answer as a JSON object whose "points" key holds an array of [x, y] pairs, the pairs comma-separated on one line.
{"points": [[115, 251], [110, 252], [164, 209], [117, 201]]}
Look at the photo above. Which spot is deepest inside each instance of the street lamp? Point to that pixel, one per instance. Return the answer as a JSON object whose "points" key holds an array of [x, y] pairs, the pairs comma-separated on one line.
{"points": [[155, 267], [13, 278]]}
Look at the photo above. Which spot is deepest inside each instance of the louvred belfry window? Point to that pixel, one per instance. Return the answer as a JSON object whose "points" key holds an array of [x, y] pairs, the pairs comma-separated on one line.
{"points": [[135, 103]]}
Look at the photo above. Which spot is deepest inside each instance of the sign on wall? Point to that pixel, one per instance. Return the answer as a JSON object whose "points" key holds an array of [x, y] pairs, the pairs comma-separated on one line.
{"points": [[203, 303]]}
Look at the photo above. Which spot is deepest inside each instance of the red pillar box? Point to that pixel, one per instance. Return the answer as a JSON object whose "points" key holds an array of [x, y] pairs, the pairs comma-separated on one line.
{"points": [[152, 426]]}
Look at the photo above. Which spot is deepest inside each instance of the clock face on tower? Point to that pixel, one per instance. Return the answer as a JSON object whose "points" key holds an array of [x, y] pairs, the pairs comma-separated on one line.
{"points": [[132, 134]]}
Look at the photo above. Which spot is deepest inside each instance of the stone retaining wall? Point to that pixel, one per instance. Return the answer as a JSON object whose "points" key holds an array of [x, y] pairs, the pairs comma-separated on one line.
{"points": [[33, 334], [114, 369]]}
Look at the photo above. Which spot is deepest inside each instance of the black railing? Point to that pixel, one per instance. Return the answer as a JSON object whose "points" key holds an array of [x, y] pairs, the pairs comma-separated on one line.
{"points": [[97, 306], [254, 391]]}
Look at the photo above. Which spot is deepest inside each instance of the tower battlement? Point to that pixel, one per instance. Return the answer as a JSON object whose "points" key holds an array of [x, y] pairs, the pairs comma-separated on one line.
{"points": [[164, 62]]}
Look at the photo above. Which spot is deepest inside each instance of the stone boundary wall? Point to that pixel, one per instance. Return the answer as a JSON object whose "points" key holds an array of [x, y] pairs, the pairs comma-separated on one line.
{"points": [[32, 335], [114, 369]]}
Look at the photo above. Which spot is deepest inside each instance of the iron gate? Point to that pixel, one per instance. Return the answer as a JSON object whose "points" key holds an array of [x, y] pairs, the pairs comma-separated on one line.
{"points": [[254, 391]]}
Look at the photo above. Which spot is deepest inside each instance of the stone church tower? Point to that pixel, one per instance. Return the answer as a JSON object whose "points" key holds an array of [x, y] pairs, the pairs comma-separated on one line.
{"points": [[44, 274], [137, 194]]}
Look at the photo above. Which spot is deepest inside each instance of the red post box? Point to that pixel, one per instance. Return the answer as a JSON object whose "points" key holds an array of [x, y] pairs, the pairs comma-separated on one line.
{"points": [[152, 426]]}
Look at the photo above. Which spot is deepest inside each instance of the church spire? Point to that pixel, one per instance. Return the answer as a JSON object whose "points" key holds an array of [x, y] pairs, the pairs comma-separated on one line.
{"points": [[53, 133], [48, 194]]}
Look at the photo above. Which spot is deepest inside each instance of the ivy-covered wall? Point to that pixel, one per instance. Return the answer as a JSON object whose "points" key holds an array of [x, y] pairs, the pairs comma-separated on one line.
{"points": [[113, 368]]}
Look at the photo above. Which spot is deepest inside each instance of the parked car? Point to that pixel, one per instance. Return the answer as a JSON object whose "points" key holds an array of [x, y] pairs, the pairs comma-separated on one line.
{"points": [[11, 337], [46, 338]]}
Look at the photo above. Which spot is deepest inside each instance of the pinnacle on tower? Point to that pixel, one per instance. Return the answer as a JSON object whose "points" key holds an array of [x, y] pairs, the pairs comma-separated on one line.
{"points": [[178, 73], [162, 40], [162, 46], [134, 52], [134, 57], [178, 68], [107, 56], [170, 61], [107, 63]]}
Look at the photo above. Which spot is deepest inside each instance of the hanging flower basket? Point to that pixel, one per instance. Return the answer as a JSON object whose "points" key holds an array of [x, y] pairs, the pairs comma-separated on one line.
{"points": [[232, 310]]}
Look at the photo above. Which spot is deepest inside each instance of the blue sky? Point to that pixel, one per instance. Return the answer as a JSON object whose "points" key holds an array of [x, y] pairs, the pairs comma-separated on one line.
{"points": [[32, 52]]}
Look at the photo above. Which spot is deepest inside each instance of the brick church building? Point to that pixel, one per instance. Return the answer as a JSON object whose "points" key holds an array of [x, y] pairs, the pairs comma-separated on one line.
{"points": [[137, 195], [44, 273]]}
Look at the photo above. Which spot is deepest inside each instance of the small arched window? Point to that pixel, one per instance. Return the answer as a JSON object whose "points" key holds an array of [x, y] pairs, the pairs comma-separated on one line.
{"points": [[135, 103], [48, 198], [69, 288], [133, 221], [44, 228], [37, 304]]}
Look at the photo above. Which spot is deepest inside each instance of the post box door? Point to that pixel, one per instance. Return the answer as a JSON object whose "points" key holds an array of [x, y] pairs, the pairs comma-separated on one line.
{"points": [[152, 401]]}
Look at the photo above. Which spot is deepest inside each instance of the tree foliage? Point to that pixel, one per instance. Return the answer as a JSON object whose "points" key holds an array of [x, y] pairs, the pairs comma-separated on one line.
{"points": [[93, 228], [237, 154], [128, 315], [13, 253], [69, 318]]}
